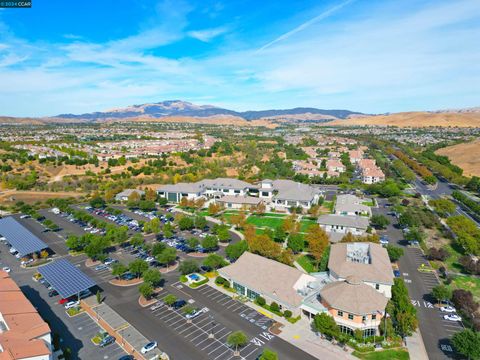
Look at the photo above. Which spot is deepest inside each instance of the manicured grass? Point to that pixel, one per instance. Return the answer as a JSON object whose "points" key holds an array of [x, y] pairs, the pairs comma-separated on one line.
{"points": [[368, 203], [204, 213], [262, 221], [452, 263], [306, 262], [275, 215], [383, 355], [467, 283], [305, 223]]}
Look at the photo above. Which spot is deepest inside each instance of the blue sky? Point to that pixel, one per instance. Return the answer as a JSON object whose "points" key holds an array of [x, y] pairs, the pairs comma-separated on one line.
{"points": [[373, 56]]}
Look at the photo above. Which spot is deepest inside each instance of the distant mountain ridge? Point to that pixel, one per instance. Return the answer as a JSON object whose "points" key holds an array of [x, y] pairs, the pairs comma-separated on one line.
{"points": [[183, 108]]}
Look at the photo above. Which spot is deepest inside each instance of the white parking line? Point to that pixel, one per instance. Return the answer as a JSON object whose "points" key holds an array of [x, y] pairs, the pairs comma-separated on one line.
{"points": [[188, 328], [176, 322], [201, 342], [235, 302], [222, 353], [193, 332], [169, 316], [251, 352], [216, 296], [223, 302], [213, 343]]}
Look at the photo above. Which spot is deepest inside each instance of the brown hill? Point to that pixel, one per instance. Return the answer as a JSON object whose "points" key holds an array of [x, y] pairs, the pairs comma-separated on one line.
{"points": [[464, 155], [415, 119]]}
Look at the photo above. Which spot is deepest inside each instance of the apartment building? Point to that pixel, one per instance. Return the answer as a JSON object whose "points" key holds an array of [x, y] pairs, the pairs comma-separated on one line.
{"points": [[24, 335]]}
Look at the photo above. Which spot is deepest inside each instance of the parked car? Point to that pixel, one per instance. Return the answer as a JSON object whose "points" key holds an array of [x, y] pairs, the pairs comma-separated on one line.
{"points": [[127, 276], [84, 294], [179, 304], [452, 317], [196, 313], [52, 293], [107, 341], [6, 269], [71, 304], [396, 273], [448, 308], [156, 306], [101, 267], [148, 347], [126, 357], [109, 261], [24, 216]]}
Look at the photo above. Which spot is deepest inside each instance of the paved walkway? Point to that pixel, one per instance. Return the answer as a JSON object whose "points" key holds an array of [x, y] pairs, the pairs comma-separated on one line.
{"points": [[416, 347], [300, 335]]}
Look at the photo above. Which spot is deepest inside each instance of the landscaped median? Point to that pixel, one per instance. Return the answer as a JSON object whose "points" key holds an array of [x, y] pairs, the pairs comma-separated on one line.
{"points": [[74, 311]]}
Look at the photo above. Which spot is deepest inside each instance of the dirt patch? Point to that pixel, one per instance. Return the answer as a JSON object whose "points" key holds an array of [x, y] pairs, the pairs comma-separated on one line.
{"points": [[30, 197], [125, 283], [197, 255], [90, 262], [464, 155]]}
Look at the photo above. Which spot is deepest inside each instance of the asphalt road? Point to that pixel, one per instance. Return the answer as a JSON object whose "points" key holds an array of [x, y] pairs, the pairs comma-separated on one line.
{"points": [[436, 331]]}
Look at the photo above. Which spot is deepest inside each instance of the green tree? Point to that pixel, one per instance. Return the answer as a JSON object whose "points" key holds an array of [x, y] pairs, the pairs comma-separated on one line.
{"points": [[234, 251], [146, 290], [170, 299], [193, 242], [96, 248], [167, 230], [214, 262], [137, 240], [443, 207], [97, 202], [296, 242], [394, 252], [210, 242], [157, 248], [379, 221], [167, 256], [185, 223], [279, 234], [152, 277], [119, 269], [138, 267], [325, 324], [268, 354], [467, 343], [441, 292], [237, 339], [188, 267], [223, 234], [200, 222]]}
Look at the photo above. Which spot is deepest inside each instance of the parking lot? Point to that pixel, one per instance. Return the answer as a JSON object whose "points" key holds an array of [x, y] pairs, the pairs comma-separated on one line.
{"points": [[87, 326], [197, 330]]}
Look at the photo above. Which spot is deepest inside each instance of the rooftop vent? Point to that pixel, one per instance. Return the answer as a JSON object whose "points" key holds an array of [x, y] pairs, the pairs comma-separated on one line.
{"points": [[359, 253]]}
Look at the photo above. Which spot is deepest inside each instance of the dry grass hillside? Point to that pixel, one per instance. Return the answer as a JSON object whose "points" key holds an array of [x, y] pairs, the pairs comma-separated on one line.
{"points": [[466, 155], [415, 119]]}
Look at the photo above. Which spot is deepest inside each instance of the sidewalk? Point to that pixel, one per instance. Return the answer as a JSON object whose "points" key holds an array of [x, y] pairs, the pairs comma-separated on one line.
{"points": [[128, 337], [416, 347]]}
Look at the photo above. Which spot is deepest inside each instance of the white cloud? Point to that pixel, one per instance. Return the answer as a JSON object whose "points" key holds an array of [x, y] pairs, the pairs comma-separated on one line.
{"points": [[207, 34]]}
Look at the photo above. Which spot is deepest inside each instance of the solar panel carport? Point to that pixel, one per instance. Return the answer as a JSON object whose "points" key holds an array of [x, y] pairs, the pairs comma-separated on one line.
{"points": [[19, 237], [64, 277]]}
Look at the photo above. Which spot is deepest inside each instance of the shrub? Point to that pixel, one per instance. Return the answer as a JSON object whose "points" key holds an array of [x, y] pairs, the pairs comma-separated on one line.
{"points": [[260, 301], [274, 307], [219, 280], [287, 314]]}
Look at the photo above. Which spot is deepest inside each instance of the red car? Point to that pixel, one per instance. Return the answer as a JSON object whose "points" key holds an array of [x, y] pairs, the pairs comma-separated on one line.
{"points": [[63, 301]]}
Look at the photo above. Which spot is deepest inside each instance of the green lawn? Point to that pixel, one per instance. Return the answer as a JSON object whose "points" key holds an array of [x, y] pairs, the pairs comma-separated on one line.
{"points": [[384, 355], [275, 215], [368, 203], [261, 221], [452, 263], [305, 223], [306, 262], [470, 283]]}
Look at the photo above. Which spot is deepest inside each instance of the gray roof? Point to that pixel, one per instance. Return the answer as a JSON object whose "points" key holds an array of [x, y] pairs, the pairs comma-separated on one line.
{"points": [[358, 222], [226, 183], [64, 277], [291, 190], [248, 200], [19, 237], [378, 270], [266, 276], [183, 188], [353, 296], [350, 203]]}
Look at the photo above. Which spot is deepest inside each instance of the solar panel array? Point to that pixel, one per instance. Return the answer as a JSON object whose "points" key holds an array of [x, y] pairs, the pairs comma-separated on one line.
{"points": [[19, 237], [64, 277]]}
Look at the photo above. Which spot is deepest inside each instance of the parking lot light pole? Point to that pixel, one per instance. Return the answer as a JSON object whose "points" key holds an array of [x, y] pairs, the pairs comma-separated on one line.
{"points": [[212, 322]]}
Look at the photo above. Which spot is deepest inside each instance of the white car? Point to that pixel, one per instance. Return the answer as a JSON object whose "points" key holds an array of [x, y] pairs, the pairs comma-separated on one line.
{"points": [[452, 317], [24, 216], [71, 304], [149, 347], [449, 309], [6, 269], [196, 313], [156, 306], [12, 250]]}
